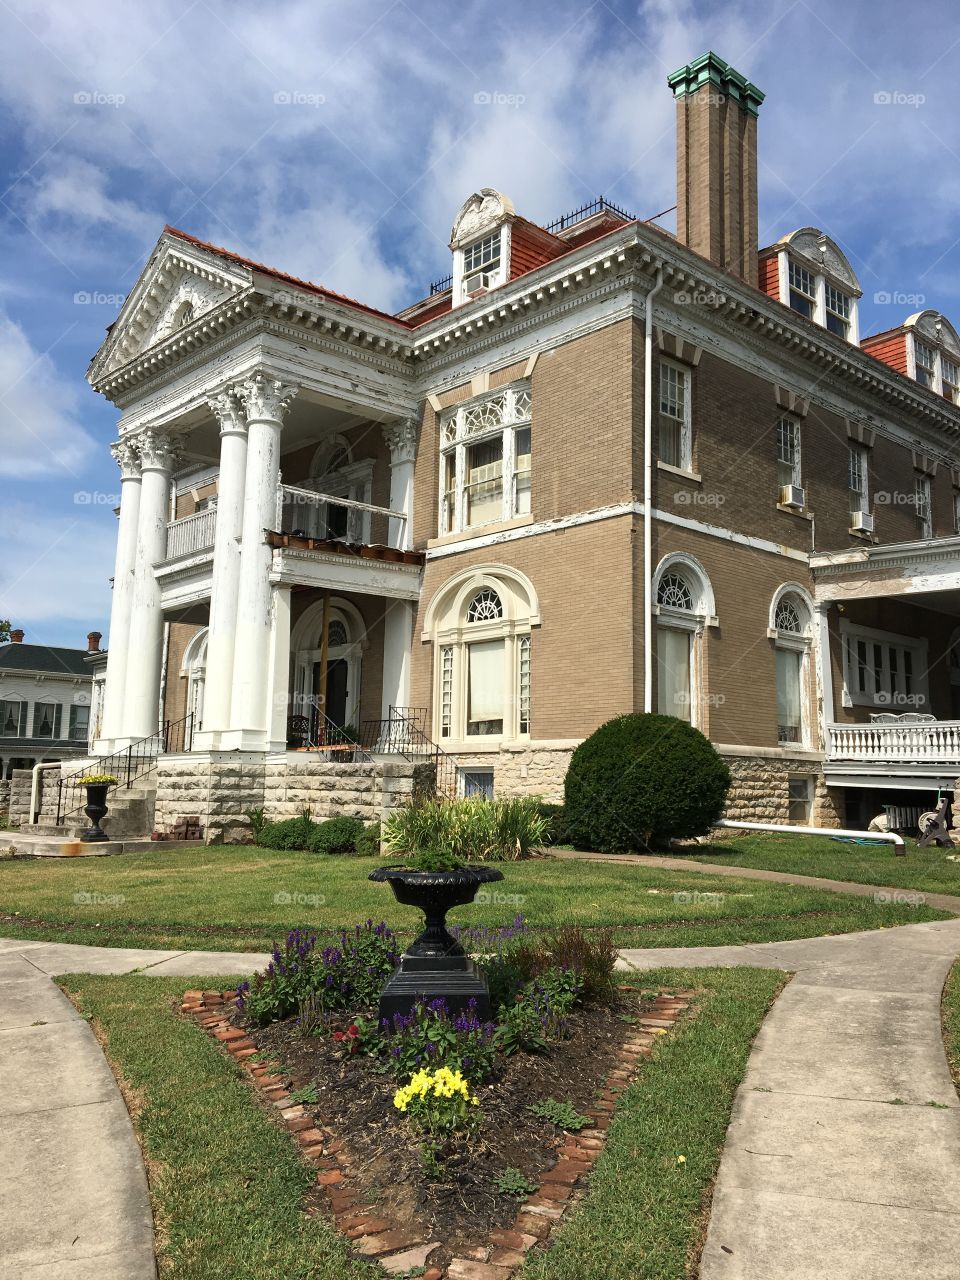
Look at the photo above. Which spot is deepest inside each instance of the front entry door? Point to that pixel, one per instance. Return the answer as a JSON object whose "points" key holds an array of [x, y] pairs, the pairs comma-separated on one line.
{"points": [[336, 708]]}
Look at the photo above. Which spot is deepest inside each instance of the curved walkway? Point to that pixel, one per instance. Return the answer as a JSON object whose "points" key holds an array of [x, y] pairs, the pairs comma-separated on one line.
{"points": [[842, 1157]]}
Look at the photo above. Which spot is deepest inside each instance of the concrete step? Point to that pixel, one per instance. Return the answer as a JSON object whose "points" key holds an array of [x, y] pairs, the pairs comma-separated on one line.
{"points": [[28, 844]]}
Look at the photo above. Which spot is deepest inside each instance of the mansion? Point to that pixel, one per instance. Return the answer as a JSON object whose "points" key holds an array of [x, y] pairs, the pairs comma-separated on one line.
{"points": [[599, 468]]}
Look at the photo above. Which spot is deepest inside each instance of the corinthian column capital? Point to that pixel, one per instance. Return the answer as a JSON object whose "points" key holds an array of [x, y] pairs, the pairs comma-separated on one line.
{"points": [[265, 397], [158, 449], [228, 411], [127, 457], [401, 439]]}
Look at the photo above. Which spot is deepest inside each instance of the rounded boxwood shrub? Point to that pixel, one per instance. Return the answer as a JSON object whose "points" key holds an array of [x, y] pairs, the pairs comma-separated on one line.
{"points": [[292, 833], [367, 843], [639, 781], [336, 835]]}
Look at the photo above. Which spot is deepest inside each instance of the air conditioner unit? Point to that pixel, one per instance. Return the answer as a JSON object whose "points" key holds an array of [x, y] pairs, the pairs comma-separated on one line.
{"points": [[791, 495], [861, 522], [476, 283]]}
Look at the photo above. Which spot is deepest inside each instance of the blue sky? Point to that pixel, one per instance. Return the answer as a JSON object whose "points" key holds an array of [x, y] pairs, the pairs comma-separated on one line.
{"points": [[337, 141]]}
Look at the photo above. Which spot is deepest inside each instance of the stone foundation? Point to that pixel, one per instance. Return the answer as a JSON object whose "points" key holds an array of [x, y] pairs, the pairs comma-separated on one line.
{"points": [[4, 799], [528, 769], [759, 791], [220, 789]]}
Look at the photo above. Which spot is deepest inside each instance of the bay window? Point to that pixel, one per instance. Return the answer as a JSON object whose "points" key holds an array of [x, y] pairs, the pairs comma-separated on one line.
{"points": [[486, 460]]}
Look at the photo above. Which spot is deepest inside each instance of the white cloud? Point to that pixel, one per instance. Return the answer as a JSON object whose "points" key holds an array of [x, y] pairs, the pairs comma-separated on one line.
{"points": [[39, 430], [55, 572]]}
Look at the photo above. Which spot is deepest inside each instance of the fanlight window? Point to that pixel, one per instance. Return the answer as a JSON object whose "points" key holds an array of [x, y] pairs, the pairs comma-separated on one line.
{"points": [[485, 606], [674, 593], [787, 617], [184, 315], [336, 634]]}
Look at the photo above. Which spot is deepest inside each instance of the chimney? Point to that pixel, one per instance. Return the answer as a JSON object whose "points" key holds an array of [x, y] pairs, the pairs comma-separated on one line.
{"points": [[93, 641], [16, 637], [717, 163]]}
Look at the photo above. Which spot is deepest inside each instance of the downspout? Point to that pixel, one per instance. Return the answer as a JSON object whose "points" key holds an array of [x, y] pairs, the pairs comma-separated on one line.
{"points": [[647, 493]]}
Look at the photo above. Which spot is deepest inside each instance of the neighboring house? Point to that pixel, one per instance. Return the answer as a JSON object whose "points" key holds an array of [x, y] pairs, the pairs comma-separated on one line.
{"points": [[600, 468], [45, 700]]}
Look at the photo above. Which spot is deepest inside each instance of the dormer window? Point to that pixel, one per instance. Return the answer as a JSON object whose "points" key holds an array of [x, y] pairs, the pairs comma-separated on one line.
{"points": [[803, 290], [950, 373], [838, 311], [480, 241], [483, 255]]}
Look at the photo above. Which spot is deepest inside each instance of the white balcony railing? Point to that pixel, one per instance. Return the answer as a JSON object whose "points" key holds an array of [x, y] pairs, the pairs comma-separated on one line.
{"points": [[935, 743], [324, 515], [191, 534]]}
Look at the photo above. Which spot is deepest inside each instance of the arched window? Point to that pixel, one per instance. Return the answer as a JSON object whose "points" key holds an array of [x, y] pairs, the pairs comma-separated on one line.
{"points": [[183, 315], [480, 624], [194, 670], [684, 606], [791, 623]]}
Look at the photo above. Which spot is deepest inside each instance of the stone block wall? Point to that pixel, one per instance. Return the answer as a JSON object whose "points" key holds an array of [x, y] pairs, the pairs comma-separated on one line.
{"points": [[759, 791], [525, 770], [4, 799], [220, 789]]}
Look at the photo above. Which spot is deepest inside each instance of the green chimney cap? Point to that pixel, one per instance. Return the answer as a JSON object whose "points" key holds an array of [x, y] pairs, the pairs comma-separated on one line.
{"points": [[709, 69]]}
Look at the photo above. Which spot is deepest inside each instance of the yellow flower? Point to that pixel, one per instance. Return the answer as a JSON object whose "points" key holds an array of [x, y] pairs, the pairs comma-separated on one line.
{"points": [[681, 1159]]}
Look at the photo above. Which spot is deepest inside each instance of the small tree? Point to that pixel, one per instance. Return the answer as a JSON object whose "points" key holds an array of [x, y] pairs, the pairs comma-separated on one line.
{"points": [[4, 630], [641, 780]]}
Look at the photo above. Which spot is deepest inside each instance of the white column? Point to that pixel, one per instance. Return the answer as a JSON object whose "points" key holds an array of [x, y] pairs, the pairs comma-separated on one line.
{"points": [[266, 400], [401, 438], [397, 645], [226, 570], [141, 712], [279, 668], [128, 458], [824, 671]]}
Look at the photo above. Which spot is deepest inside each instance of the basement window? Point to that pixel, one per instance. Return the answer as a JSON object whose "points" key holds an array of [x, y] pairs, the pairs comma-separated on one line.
{"points": [[800, 801]]}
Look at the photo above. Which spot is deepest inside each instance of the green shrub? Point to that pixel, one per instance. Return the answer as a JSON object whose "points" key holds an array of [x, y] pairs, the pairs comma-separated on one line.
{"points": [[292, 833], [367, 843], [471, 830], [556, 819], [336, 835], [639, 781]]}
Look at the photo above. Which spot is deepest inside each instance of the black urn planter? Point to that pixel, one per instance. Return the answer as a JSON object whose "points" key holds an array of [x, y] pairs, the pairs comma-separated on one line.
{"points": [[435, 964], [95, 809]]}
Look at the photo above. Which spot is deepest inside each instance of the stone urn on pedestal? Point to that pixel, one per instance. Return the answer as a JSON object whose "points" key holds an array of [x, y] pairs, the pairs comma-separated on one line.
{"points": [[435, 964], [97, 785]]}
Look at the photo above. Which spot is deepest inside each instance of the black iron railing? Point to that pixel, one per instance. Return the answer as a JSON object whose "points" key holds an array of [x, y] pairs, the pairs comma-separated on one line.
{"points": [[403, 733], [600, 205], [441, 285], [133, 762]]}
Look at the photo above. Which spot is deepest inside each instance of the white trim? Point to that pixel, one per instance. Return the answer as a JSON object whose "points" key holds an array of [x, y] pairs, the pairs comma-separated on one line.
{"points": [[917, 645], [615, 511]]}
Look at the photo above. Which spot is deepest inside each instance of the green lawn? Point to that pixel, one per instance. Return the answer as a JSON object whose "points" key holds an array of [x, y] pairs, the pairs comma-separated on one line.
{"points": [[951, 1021], [227, 1185], [926, 870], [647, 1209], [239, 898]]}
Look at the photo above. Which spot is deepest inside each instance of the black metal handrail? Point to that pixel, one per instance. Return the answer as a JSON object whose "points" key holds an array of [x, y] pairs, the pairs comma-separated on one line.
{"points": [[441, 285], [127, 765], [600, 205]]}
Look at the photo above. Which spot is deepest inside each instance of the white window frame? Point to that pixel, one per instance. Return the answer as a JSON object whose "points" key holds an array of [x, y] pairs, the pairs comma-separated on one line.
{"points": [[839, 305], [800, 642], [923, 503], [892, 690], [693, 621], [823, 290], [685, 419], [23, 722], [507, 410], [858, 469], [498, 275], [796, 462]]}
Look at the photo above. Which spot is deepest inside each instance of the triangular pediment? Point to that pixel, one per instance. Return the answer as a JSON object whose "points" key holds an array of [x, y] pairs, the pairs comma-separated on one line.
{"points": [[179, 285]]}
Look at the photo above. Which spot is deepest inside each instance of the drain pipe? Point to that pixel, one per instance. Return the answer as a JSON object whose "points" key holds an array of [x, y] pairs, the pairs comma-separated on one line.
{"points": [[35, 788], [647, 492], [888, 837]]}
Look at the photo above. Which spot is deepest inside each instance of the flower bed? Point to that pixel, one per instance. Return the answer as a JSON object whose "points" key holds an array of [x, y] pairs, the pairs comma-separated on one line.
{"points": [[439, 1139]]}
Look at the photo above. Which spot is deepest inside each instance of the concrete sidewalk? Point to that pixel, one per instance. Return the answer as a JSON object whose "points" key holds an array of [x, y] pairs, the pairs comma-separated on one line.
{"points": [[842, 1159]]}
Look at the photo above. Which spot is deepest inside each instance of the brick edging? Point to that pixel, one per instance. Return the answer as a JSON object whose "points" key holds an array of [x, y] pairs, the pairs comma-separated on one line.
{"points": [[398, 1250]]}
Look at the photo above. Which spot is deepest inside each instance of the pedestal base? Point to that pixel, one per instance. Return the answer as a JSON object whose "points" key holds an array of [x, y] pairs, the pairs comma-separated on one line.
{"points": [[455, 979]]}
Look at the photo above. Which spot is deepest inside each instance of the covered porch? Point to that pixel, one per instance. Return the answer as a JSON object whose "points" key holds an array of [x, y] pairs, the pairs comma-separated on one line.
{"points": [[890, 664]]}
